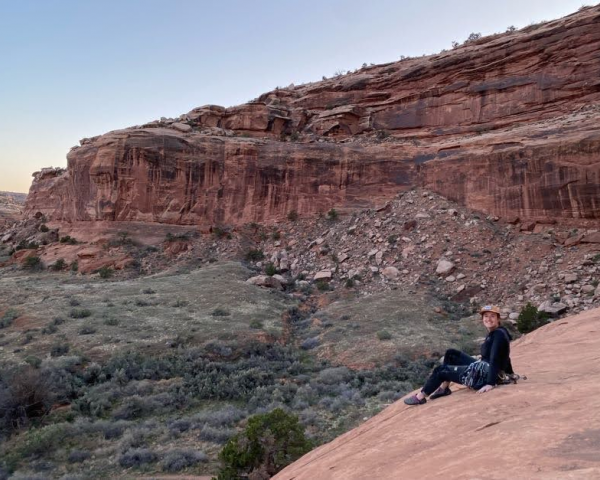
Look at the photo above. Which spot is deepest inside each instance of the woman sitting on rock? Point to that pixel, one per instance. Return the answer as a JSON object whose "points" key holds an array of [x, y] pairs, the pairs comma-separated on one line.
{"points": [[481, 375]]}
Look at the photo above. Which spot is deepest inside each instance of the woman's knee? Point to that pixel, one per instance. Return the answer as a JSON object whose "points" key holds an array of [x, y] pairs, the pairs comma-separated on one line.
{"points": [[450, 354]]}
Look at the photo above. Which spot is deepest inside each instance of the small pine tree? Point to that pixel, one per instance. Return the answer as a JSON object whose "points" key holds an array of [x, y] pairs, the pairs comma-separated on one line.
{"points": [[270, 442], [531, 319]]}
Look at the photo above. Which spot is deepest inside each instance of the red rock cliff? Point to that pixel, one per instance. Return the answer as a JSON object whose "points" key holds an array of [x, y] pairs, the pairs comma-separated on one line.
{"points": [[506, 124]]}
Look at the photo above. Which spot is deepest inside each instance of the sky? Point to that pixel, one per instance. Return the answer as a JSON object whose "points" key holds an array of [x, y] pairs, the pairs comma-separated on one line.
{"points": [[71, 69]]}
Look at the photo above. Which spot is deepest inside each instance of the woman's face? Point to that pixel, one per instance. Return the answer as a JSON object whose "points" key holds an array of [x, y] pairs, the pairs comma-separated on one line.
{"points": [[491, 320]]}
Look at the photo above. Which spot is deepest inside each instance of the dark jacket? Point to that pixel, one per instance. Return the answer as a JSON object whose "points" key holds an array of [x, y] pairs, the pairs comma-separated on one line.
{"points": [[496, 351]]}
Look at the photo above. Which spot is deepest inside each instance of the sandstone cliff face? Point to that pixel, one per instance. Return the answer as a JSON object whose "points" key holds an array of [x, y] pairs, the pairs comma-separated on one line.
{"points": [[546, 427], [506, 124]]}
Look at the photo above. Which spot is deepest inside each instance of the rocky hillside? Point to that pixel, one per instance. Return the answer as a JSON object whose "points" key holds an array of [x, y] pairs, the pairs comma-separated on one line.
{"points": [[506, 124], [544, 427], [11, 207]]}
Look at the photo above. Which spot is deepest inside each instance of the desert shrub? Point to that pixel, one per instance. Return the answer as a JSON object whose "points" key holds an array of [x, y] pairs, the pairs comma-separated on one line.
{"points": [[254, 255], [269, 443], [221, 232], [180, 303], [33, 263], [323, 285], [140, 302], [276, 235], [74, 302], [220, 312], [59, 349], [112, 430], [87, 330], [105, 272], [134, 407], [293, 216], [350, 283], [530, 319], [25, 393], [68, 239], [80, 313], [179, 425], [34, 361], [135, 458], [392, 239], [332, 215], [384, 335], [216, 435], [44, 228], [334, 375], [78, 456], [111, 321], [58, 265], [177, 460], [74, 266], [310, 343], [256, 324], [148, 291], [270, 269], [225, 416], [25, 245], [8, 318]]}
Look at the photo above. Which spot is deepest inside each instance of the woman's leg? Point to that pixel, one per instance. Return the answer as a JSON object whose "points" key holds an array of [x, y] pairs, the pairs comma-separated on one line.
{"points": [[456, 357], [441, 374]]}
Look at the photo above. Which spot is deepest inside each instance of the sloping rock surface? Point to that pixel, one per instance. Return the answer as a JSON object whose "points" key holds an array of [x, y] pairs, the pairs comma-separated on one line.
{"points": [[546, 427], [506, 124]]}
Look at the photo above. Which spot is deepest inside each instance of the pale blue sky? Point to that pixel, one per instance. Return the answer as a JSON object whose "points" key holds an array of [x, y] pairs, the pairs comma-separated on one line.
{"points": [[76, 68]]}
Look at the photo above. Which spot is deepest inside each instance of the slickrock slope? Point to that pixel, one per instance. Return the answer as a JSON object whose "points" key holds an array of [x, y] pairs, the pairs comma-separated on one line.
{"points": [[506, 124], [546, 427]]}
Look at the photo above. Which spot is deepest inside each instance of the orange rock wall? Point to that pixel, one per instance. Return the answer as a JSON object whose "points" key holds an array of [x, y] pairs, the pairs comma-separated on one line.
{"points": [[506, 124]]}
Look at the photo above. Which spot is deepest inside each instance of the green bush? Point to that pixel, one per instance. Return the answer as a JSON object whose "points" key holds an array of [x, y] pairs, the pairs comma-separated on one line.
{"points": [[270, 442], [384, 335], [254, 255], [323, 285], [293, 216], [44, 228], [220, 312], [105, 272], [74, 266], [9, 316], [332, 214], [530, 319], [33, 263], [68, 239], [80, 313], [256, 324], [270, 269], [58, 265]]}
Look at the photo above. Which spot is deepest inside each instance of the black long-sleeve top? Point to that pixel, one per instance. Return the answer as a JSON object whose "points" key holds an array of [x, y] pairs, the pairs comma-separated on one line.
{"points": [[496, 351]]}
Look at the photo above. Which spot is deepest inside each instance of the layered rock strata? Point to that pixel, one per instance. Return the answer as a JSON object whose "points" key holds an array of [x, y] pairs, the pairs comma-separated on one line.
{"points": [[506, 124]]}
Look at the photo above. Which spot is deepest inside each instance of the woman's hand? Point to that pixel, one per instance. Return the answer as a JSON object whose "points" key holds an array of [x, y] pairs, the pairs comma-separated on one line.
{"points": [[485, 388]]}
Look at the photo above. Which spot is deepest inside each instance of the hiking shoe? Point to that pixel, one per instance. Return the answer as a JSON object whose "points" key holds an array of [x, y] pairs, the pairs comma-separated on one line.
{"points": [[440, 393], [414, 400]]}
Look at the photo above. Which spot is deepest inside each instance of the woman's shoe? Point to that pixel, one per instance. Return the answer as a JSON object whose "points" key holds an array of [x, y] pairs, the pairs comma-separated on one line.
{"points": [[440, 393], [414, 400]]}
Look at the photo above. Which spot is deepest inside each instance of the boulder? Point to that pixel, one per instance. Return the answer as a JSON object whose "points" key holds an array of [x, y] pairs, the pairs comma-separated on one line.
{"points": [[444, 267], [265, 281], [391, 273], [181, 127], [323, 275], [570, 278], [553, 308]]}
